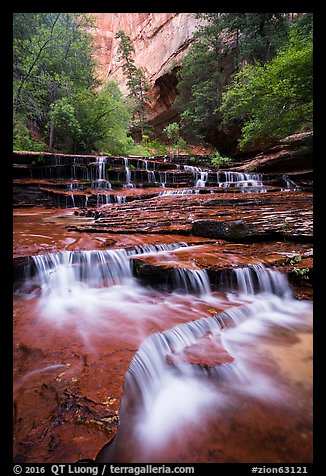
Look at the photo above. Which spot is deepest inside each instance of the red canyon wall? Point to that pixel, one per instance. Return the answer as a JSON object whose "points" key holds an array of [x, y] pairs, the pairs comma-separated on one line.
{"points": [[160, 41]]}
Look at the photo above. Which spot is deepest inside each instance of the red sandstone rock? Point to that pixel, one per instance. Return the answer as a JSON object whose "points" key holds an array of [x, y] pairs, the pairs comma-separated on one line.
{"points": [[160, 41], [207, 352]]}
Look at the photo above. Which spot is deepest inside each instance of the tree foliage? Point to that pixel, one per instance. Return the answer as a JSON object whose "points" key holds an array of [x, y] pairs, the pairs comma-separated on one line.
{"points": [[197, 100], [55, 89], [249, 36], [88, 120], [172, 131], [52, 58], [136, 80], [225, 43], [274, 99]]}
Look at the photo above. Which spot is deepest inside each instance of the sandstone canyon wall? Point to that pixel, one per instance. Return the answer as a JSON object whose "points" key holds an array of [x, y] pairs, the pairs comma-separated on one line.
{"points": [[160, 40]]}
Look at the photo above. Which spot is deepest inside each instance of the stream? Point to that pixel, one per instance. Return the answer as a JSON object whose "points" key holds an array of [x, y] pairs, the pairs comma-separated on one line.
{"points": [[114, 368]]}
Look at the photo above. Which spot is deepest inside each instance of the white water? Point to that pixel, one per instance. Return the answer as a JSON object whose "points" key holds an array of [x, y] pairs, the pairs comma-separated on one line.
{"points": [[248, 182], [201, 177], [192, 281], [290, 185], [129, 184], [259, 279], [95, 292], [162, 401], [163, 179], [63, 270], [201, 182], [120, 198], [184, 191], [101, 161]]}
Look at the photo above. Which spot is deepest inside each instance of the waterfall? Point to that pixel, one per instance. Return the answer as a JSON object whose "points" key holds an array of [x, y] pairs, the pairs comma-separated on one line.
{"points": [[193, 281], [163, 178], [192, 169], [151, 176], [100, 178], [110, 267], [95, 268], [73, 169], [201, 182], [200, 176], [164, 390], [290, 185], [73, 200], [248, 182], [120, 198], [101, 161], [129, 184], [147, 248], [62, 271], [257, 279]]}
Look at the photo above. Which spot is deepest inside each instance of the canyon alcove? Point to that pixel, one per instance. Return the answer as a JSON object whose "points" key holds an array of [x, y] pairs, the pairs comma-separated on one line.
{"points": [[162, 292]]}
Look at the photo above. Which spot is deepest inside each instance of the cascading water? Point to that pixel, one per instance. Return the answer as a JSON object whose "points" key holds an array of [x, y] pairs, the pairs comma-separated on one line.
{"points": [[290, 185], [151, 178], [64, 270], [164, 391], [256, 279], [95, 268], [200, 176], [101, 161], [201, 182], [168, 391], [190, 168], [100, 181], [184, 191], [163, 179], [128, 184], [247, 182], [120, 199], [193, 281], [209, 387], [166, 395]]}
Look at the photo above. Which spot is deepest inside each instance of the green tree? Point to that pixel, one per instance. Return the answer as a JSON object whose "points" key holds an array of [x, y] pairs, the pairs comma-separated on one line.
{"points": [[224, 44], [249, 36], [89, 121], [274, 99], [172, 131], [136, 80], [51, 60]]}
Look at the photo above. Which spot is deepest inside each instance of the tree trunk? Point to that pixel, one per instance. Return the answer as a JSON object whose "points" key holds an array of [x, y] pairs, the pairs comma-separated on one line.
{"points": [[51, 139]]}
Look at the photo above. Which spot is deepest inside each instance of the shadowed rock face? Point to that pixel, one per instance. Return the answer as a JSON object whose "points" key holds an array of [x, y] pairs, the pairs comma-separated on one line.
{"points": [[293, 155]]}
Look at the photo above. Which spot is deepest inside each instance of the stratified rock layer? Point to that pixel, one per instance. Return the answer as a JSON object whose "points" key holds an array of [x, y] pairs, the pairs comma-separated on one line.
{"points": [[234, 218]]}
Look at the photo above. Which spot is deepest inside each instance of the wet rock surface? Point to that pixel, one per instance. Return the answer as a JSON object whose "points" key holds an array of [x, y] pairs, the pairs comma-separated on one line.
{"points": [[207, 353], [70, 361], [236, 218]]}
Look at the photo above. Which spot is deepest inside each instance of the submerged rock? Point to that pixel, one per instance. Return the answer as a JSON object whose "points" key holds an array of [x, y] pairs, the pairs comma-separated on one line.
{"points": [[207, 352]]}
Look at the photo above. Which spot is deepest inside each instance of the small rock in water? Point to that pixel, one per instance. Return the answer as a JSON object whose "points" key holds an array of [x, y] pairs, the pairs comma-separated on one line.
{"points": [[207, 352]]}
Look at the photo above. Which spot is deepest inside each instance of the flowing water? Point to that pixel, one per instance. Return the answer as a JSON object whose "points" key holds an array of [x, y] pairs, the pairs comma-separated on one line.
{"points": [[192, 371], [164, 399], [175, 407]]}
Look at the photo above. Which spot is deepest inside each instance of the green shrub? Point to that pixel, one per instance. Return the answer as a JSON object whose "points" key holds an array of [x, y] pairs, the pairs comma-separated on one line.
{"points": [[218, 160], [22, 139]]}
